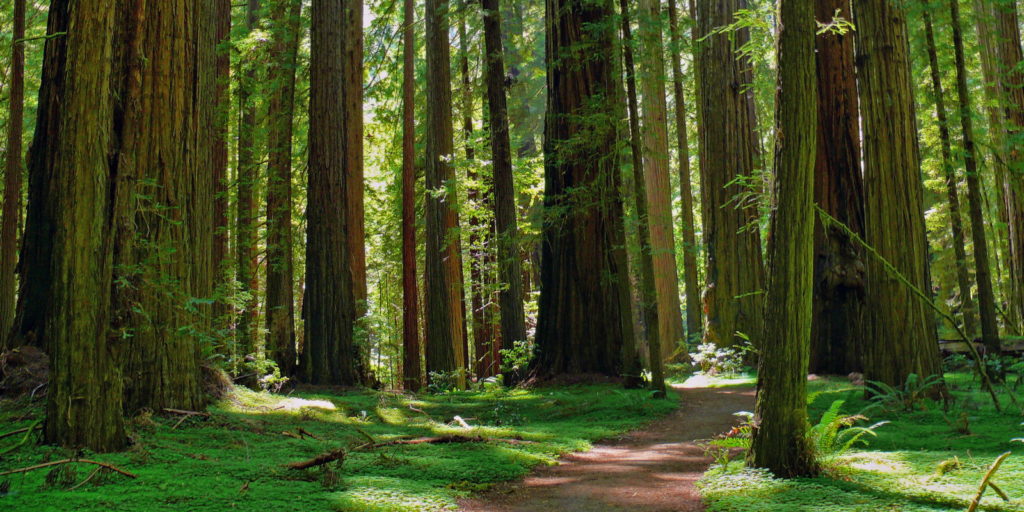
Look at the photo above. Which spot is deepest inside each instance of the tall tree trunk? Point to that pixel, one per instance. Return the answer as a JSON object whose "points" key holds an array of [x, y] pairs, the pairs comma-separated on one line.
{"points": [[1007, 32], [36, 259], [352, 95], [902, 338], [164, 248], [510, 296], [967, 307], [412, 374], [585, 313], [779, 441], [330, 355], [837, 326], [986, 295], [84, 397], [444, 303], [12, 175], [280, 305], [656, 172], [245, 215], [735, 272], [649, 299], [219, 161], [690, 252]]}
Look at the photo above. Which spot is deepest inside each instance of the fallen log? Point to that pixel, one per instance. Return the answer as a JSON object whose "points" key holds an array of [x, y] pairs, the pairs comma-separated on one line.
{"points": [[319, 460], [69, 461]]}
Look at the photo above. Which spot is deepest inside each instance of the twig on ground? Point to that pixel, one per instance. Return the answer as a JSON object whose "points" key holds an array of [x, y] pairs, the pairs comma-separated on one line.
{"points": [[462, 423], [319, 460], [36, 426], [305, 433], [69, 461], [987, 482], [83, 482]]}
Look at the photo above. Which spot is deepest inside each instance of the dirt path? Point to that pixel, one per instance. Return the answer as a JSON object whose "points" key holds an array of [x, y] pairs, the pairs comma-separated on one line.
{"points": [[650, 470]]}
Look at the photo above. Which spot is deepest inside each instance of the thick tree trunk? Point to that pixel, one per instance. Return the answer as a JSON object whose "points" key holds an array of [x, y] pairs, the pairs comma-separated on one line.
{"points": [[165, 246], [780, 442], [584, 325], [1007, 32], [280, 305], [219, 163], [694, 318], [13, 171], [330, 355], [902, 339], [735, 273], [655, 337], [412, 373], [36, 259], [84, 397], [245, 215], [656, 172], [967, 308], [837, 327], [444, 304], [352, 96], [510, 296], [986, 296]]}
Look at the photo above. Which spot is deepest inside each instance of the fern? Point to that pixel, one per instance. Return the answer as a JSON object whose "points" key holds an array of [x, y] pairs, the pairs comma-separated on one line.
{"points": [[835, 434], [906, 397]]}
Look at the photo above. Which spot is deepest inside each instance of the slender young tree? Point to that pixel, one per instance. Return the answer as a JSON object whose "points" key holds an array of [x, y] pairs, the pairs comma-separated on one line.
{"points": [[584, 323], [444, 303], [728, 151], [982, 272], [779, 440], [1008, 47], [967, 307], [412, 374], [13, 171], [219, 157], [352, 96], [656, 172], [837, 326], [280, 299], [648, 287], [510, 296], [902, 339], [690, 281], [245, 205], [331, 356], [83, 406]]}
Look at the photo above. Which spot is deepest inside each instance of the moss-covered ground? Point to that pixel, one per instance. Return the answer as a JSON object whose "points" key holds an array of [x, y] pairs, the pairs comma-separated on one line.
{"points": [[923, 460], [233, 459]]}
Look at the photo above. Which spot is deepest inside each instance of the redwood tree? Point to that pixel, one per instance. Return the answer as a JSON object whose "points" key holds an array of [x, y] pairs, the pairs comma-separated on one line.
{"points": [[585, 320], [245, 207], [12, 174], [902, 336], [411, 367]]}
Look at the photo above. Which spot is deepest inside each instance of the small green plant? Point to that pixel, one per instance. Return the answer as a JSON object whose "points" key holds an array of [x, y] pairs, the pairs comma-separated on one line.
{"points": [[835, 434], [711, 359], [908, 397], [443, 382], [517, 358]]}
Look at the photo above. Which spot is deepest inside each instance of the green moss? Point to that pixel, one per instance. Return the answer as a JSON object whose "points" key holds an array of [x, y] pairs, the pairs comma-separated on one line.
{"points": [[899, 470], [233, 460]]}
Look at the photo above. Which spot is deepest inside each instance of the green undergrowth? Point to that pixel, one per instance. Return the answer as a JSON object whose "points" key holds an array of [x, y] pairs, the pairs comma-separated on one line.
{"points": [[923, 460], [233, 459]]}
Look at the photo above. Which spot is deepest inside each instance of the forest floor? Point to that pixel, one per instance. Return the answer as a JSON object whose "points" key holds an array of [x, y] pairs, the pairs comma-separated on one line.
{"points": [[650, 470]]}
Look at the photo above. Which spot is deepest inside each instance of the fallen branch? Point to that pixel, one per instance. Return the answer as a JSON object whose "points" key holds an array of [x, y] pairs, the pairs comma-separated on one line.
{"points": [[987, 482], [421, 411], [319, 460], [305, 433], [69, 461], [35, 426], [28, 434], [83, 482], [188, 413], [461, 422]]}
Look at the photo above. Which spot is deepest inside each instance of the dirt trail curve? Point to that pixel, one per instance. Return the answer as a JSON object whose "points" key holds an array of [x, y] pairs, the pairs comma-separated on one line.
{"points": [[649, 470]]}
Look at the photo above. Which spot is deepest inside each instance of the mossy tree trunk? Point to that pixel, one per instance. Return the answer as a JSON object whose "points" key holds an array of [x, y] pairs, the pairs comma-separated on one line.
{"points": [[585, 317], [510, 296], [902, 339], [837, 327], [412, 373], [330, 355], [13, 171], [694, 318], [247, 170], [352, 96], [280, 298], [219, 163], [445, 325], [733, 296], [967, 306], [780, 442]]}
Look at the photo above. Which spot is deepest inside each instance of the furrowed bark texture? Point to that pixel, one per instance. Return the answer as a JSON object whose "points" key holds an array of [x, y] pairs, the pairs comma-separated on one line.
{"points": [[352, 96], [837, 327], [330, 355], [779, 440], [219, 160], [735, 273], [246, 261], [902, 339], [584, 324], [13, 171], [412, 373]]}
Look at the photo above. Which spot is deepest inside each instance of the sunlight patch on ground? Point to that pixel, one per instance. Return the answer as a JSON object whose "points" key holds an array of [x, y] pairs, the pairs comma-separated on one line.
{"points": [[708, 381]]}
